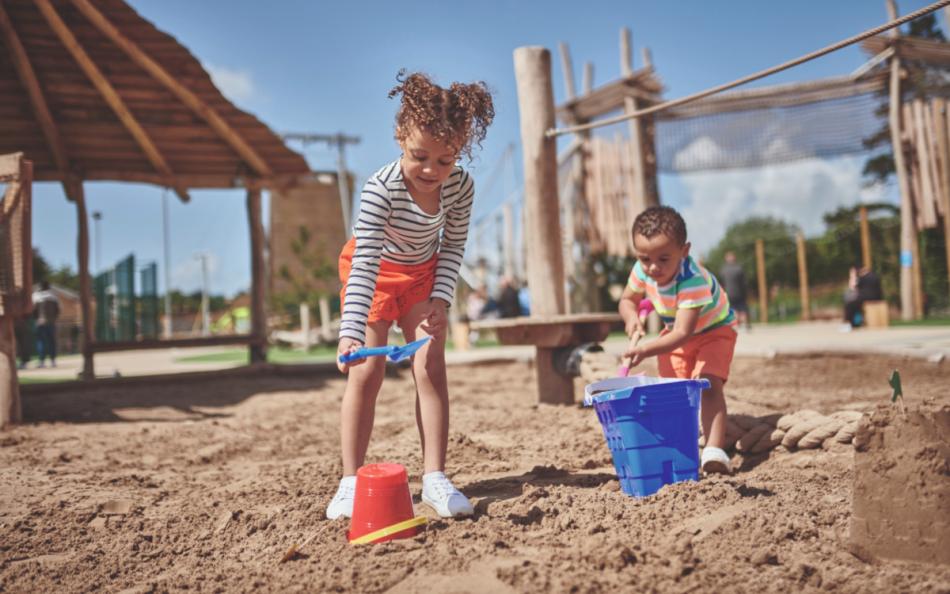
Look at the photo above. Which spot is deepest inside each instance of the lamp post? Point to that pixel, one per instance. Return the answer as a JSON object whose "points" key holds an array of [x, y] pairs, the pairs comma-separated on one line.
{"points": [[205, 306], [96, 217], [167, 330]]}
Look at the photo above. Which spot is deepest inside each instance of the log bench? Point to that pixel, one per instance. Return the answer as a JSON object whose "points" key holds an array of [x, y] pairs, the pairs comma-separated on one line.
{"points": [[552, 336]]}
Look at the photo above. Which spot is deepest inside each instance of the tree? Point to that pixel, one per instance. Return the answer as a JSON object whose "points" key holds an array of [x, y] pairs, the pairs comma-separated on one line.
{"points": [[62, 276], [781, 267], [308, 284]]}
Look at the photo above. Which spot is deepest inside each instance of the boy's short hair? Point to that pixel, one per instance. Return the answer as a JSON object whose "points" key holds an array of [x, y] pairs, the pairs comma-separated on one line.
{"points": [[660, 219]]}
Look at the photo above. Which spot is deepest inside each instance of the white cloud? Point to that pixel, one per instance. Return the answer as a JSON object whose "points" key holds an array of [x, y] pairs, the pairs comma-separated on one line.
{"points": [[236, 85], [799, 193]]}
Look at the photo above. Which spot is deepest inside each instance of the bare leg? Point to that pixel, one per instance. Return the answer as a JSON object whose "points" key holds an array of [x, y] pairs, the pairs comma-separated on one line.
{"points": [[713, 412], [359, 401], [432, 390]]}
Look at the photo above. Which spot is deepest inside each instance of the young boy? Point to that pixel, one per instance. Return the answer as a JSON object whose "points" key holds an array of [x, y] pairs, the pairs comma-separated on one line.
{"points": [[699, 336]]}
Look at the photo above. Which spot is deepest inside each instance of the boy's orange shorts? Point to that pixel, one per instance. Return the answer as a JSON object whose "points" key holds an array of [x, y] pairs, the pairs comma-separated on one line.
{"points": [[398, 286], [709, 353]]}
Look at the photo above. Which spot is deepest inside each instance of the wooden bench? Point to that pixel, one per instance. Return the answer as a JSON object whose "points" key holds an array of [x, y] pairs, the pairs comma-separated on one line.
{"points": [[550, 334]]}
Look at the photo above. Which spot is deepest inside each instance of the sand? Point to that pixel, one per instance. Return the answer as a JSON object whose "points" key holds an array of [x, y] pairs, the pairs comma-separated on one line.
{"points": [[204, 486]]}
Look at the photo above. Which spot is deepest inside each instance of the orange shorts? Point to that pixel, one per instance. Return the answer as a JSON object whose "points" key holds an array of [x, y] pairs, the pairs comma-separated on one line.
{"points": [[709, 353], [398, 286]]}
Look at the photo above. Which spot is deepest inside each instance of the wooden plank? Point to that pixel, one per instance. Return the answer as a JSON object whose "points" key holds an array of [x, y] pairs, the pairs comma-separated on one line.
{"points": [[585, 318], [763, 285], [27, 76], [926, 204], [107, 91], [938, 132], [803, 291], [943, 137], [587, 81], [10, 166], [195, 180], [542, 216], [258, 350], [609, 97], [910, 48], [212, 117], [203, 341]]}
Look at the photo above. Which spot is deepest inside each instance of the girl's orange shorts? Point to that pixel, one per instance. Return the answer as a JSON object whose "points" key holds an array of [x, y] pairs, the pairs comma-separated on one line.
{"points": [[398, 286]]}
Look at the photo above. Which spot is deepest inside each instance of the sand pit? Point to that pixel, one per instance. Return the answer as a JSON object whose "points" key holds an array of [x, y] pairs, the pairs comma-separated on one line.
{"points": [[205, 486]]}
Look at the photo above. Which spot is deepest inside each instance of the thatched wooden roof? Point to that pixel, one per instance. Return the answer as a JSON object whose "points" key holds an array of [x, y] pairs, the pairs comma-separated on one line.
{"points": [[89, 90]]}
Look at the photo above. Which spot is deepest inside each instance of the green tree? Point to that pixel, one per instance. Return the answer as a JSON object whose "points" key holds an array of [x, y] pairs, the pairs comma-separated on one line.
{"points": [[781, 267], [62, 276], [308, 285]]}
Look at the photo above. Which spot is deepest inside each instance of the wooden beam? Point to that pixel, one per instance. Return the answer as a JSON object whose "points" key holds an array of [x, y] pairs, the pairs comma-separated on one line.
{"points": [[27, 76], [865, 237], [610, 97], [190, 180], [85, 289], [763, 285], [587, 81], [568, 69], [10, 408], [258, 350], [803, 291], [942, 129], [925, 50], [217, 123], [107, 91]]}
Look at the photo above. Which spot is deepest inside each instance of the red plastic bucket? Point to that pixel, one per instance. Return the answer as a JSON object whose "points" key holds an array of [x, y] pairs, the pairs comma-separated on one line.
{"points": [[381, 500]]}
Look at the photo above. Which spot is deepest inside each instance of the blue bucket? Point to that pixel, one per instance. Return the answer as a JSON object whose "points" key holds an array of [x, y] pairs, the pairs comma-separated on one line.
{"points": [[652, 429]]}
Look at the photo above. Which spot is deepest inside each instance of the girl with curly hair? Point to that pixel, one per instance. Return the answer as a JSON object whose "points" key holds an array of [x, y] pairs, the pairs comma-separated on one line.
{"points": [[402, 265]]}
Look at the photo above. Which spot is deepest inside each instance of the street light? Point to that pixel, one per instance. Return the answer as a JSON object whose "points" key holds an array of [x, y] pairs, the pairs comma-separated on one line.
{"points": [[168, 274], [96, 217]]}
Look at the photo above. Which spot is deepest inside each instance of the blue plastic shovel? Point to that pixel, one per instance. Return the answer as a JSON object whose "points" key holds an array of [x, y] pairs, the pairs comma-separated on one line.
{"points": [[395, 353]]}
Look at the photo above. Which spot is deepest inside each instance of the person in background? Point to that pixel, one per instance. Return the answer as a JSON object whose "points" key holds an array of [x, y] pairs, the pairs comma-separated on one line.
{"points": [[508, 305], [46, 312], [733, 281], [863, 285]]}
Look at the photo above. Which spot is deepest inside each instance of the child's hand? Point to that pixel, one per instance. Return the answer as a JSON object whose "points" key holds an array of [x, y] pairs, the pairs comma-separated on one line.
{"points": [[634, 355], [634, 328], [437, 319], [347, 345]]}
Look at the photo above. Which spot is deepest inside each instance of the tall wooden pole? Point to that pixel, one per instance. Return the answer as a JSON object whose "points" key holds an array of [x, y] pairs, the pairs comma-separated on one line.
{"points": [[763, 285], [641, 199], [865, 237], [918, 279], [542, 218], [85, 288], [907, 207], [942, 117], [10, 411], [258, 348], [803, 276]]}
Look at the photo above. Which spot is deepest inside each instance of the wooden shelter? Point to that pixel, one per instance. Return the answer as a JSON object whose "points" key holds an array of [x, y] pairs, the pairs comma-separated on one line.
{"points": [[89, 90]]}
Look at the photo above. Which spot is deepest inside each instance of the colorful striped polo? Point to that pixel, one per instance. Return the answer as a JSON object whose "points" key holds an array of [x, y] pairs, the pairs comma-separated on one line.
{"points": [[693, 287]]}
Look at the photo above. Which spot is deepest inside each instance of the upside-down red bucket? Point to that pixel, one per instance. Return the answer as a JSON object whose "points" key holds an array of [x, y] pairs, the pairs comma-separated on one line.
{"points": [[381, 500]]}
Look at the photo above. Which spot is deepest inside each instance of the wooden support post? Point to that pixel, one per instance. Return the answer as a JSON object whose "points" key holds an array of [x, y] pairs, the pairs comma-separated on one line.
{"points": [[640, 200], [85, 288], [918, 279], [258, 349], [763, 285], [542, 217], [865, 238], [568, 69], [907, 208], [803, 276], [10, 411], [587, 82], [326, 334]]}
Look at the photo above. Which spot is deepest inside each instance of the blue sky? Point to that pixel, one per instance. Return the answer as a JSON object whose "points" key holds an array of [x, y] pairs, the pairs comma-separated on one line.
{"points": [[327, 67]]}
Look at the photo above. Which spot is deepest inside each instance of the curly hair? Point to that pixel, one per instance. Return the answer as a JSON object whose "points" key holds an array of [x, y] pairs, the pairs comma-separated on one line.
{"points": [[660, 219], [458, 116]]}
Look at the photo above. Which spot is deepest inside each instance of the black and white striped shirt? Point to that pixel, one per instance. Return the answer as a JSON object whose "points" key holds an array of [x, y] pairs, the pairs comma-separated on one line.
{"points": [[392, 227]]}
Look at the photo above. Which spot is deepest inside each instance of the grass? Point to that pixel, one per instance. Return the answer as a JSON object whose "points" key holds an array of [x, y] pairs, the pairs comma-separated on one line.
{"points": [[943, 320], [274, 355]]}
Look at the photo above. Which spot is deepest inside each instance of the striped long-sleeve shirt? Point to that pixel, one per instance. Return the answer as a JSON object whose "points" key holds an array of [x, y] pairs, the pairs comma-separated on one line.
{"points": [[392, 227]]}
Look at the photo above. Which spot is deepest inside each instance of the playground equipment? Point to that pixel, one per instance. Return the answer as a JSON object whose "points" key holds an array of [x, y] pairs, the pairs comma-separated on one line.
{"points": [[652, 427], [16, 274], [182, 133], [382, 505]]}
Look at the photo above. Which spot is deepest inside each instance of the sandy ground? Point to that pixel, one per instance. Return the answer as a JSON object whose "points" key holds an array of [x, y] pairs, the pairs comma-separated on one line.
{"points": [[204, 486]]}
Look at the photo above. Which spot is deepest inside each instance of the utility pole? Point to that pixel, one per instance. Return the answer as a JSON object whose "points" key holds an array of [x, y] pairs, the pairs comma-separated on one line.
{"points": [[339, 141], [96, 217]]}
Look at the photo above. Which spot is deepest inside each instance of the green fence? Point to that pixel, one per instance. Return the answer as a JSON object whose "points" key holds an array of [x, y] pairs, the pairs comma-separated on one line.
{"points": [[148, 302], [115, 302]]}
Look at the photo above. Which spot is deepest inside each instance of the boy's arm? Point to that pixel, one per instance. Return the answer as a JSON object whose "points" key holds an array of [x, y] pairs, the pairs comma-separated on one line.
{"points": [[629, 304], [683, 327]]}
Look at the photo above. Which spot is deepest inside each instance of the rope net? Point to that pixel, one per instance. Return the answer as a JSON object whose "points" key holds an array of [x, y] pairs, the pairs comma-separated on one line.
{"points": [[768, 136]]}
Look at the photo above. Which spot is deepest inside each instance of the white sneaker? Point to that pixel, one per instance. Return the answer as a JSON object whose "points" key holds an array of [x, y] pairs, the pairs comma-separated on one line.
{"points": [[715, 461], [440, 494], [342, 503]]}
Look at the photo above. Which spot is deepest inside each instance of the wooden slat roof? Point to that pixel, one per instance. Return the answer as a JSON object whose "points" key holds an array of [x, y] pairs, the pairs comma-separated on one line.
{"points": [[911, 48], [203, 140]]}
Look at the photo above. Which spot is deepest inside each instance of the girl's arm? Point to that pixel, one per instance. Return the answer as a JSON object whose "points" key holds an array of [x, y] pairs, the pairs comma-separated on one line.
{"points": [[452, 247], [369, 231]]}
